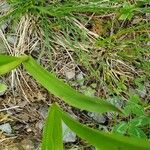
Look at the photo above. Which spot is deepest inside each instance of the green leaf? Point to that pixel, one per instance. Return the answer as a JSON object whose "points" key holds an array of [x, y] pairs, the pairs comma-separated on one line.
{"points": [[133, 106], [3, 88], [127, 11], [65, 92], [52, 134], [55, 86], [146, 66], [140, 121], [102, 140], [136, 132], [126, 16], [139, 82], [136, 109], [121, 128], [134, 99], [8, 63], [128, 109]]}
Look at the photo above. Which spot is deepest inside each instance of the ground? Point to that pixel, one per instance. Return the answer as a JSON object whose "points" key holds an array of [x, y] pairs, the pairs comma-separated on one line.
{"points": [[100, 48]]}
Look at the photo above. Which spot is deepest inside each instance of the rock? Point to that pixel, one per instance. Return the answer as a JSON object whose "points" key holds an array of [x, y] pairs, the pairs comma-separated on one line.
{"points": [[68, 135], [43, 110], [142, 92], [104, 128], [6, 128], [93, 148], [70, 74], [74, 148], [116, 101], [80, 79], [136, 20], [14, 146], [40, 124], [4, 26], [12, 39], [27, 144], [4, 6], [88, 91], [97, 117], [148, 16]]}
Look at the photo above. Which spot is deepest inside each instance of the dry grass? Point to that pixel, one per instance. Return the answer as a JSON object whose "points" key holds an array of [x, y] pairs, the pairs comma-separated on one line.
{"points": [[88, 43]]}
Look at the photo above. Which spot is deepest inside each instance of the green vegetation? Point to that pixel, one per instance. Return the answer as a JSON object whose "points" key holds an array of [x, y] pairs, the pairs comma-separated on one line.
{"points": [[140, 120], [107, 41], [52, 137]]}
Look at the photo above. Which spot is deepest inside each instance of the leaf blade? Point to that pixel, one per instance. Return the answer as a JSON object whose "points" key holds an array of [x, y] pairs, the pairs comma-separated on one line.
{"points": [[65, 92], [104, 140], [8, 63], [52, 133]]}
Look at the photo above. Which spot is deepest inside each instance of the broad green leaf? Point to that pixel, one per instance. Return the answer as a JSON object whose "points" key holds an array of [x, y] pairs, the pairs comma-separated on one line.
{"points": [[121, 128], [4, 59], [136, 109], [140, 121], [136, 132], [102, 140], [3, 88], [127, 11], [146, 66], [55, 86], [7, 63], [133, 107], [134, 99], [128, 109], [52, 134], [65, 92]]}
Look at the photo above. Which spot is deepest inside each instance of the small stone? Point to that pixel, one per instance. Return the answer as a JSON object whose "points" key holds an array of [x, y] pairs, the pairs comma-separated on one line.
{"points": [[70, 74], [148, 43], [4, 26], [136, 20], [93, 148], [80, 79], [12, 39], [14, 146], [40, 125], [88, 91], [97, 117], [103, 128], [27, 144], [6, 128], [43, 110], [4, 6], [29, 129], [148, 16], [68, 135], [142, 92], [116, 101]]}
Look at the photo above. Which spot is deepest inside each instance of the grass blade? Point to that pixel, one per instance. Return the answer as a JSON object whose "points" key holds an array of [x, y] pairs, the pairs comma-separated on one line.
{"points": [[103, 140], [3, 88], [65, 92], [52, 134], [8, 63]]}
